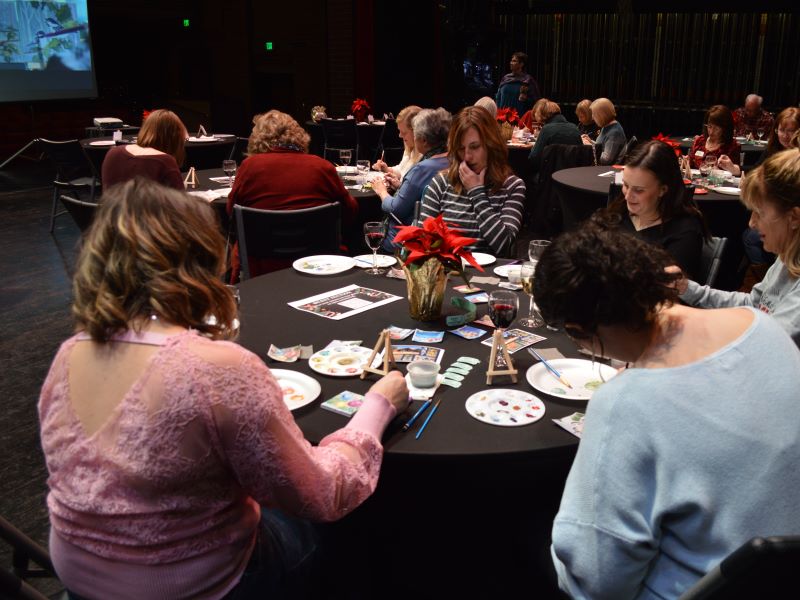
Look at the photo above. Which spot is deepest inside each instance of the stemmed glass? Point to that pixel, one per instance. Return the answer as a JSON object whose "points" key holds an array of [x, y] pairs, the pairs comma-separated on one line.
{"points": [[760, 133], [229, 168], [708, 164], [534, 319], [345, 156], [374, 233], [535, 250], [503, 307]]}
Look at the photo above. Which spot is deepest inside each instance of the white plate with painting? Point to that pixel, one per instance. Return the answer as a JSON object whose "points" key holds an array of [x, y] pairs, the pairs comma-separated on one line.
{"points": [[340, 361], [730, 191], [323, 264], [584, 376], [384, 260], [505, 408], [298, 389]]}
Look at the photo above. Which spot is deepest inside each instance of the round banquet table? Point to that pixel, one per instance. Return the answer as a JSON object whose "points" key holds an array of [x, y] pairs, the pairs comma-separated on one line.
{"points": [[464, 490], [267, 319], [200, 155], [752, 151], [725, 215]]}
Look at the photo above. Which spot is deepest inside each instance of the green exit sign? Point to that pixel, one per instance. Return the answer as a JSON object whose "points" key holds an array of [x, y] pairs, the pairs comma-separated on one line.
{"points": [[186, 22], [268, 46]]}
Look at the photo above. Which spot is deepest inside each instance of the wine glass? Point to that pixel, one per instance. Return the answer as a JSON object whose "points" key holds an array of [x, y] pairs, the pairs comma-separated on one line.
{"points": [[503, 307], [374, 233], [345, 156], [535, 250], [229, 168], [760, 133], [526, 271]]}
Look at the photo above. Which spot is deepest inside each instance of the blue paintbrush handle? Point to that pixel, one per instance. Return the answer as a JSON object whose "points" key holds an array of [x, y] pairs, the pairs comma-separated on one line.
{"points": [[421, 410], [428, 418]]}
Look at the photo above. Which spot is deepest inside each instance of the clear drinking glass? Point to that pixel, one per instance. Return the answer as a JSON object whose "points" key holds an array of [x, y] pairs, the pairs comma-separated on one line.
{"points": [[760, 133], [535, 250], [345, 156], [534, 319], [363, 170], [229, 168], [374, 233]]}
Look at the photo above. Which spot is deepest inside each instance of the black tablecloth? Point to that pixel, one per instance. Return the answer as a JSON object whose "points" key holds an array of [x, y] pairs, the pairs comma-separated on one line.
{"points": [[452, 433], [200, 155]]}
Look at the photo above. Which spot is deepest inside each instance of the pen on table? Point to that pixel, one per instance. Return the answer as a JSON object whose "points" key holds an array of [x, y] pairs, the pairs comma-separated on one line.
{"points": [[428, 418], [421, 410], [549, 367]]}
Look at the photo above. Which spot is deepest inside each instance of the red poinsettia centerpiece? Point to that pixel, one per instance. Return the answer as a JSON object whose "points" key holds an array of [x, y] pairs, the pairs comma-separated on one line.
{"points": [[360, 109], [676, 147], [507, 115], [428, 253]]}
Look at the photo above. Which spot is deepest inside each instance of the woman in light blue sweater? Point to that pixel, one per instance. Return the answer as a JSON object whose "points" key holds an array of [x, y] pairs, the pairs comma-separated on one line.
{"points": [[772, 192], [431, 128], [682, 452]]}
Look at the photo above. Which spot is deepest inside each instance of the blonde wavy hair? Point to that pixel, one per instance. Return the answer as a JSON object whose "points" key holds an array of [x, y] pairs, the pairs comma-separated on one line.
{"points": [[603, 111], [777, 181], [275, 128], [497, 169], [151, 251], [164, 131], [406, 115]]}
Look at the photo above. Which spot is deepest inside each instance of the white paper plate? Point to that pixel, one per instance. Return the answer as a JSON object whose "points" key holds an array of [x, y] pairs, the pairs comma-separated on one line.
{"points": [[584, 376], [482, 258], [365, 260], [504, 407], [210, 138], [740, 138], [730, 191], [345, 170], [103, 143], [340, 361], [323, 264], [298, 389], [502, 270]]}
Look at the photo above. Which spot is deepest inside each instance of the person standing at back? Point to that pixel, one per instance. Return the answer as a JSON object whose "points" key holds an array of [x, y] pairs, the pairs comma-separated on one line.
{"points": [[517, 89]]}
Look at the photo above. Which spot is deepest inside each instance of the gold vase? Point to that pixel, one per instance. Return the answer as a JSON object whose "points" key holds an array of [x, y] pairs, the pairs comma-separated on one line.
{"points": [[506, 131], [426, 286]]}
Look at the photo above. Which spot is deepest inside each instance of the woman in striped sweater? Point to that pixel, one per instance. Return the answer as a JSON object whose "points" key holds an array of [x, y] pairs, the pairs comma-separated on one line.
{"points": [[477, 193]]}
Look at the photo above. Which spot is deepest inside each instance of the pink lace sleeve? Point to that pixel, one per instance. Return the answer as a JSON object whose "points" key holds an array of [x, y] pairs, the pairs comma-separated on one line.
{"points": [[274, 462]]}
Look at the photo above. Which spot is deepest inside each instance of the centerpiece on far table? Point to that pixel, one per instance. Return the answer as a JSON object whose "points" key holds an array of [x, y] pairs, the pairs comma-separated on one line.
{"points": [[507, 118], [428, 253], [360, 109]]}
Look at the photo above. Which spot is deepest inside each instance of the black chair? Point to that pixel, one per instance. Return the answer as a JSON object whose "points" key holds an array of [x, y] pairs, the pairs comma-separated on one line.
{"points": [[391, 146], [74, 172], [545, 216], [628, 148], [24, 551], [711, 259], [238, 152], [760, 568], [369, 142], [340, 134], [82, 212], [286, 235]]}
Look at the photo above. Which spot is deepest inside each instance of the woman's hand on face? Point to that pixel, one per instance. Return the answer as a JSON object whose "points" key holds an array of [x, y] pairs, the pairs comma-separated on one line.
{"points": [[393, 387], [380, 166], [681, 284], [470, 178]]}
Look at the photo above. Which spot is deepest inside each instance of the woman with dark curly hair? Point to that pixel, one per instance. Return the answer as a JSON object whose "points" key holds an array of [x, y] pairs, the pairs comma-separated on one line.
{"points": [[280, 174], [163, 441], [656, 494], [477, 193], [656, 206]]}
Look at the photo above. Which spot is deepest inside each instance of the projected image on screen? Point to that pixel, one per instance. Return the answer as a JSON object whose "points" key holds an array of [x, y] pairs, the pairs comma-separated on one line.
{"points": [[45, 51]]}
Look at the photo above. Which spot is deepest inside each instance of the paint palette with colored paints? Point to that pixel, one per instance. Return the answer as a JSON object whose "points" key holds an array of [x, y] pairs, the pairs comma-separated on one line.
{"points": [[505, 408], [340, 361], [298, 389]]}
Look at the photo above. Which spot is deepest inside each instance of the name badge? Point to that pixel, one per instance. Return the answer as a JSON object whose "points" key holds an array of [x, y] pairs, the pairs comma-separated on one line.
{"points": [[699, 154]]}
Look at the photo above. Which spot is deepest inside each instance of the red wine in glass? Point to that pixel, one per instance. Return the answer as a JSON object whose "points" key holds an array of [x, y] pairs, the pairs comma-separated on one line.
{"points": [[502, 315], [374, 232], [374, 239]]}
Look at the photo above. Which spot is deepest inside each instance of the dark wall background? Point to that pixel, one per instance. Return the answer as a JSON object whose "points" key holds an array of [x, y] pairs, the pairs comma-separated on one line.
{"points": [[661, 69]]}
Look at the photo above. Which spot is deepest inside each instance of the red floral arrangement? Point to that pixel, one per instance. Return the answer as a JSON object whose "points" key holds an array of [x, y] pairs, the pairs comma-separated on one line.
{"points": [[676, 147], [360, 109], [435, 240], [507, 115]]}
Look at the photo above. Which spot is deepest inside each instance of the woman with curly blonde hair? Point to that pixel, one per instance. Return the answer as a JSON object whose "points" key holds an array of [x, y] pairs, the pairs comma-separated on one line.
{"points": [[279, 174], [163, 441], [477, 193]]}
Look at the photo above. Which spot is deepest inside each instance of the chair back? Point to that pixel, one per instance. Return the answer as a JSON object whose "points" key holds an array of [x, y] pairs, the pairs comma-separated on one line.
{"points": [[760, 568], [340, 134], [369, 141], [711, 259], [69, 159], [238, 152], [391, 146], [82, 212], [286, 235], [546, 213], [628, 148]]}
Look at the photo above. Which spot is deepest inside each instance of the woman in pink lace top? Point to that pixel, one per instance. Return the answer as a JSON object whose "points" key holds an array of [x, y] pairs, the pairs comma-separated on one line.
{"points": [[162, 440]]}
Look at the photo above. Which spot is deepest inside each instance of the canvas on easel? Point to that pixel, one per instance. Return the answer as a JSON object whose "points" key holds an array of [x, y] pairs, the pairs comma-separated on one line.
{"points": [[191, 178]]}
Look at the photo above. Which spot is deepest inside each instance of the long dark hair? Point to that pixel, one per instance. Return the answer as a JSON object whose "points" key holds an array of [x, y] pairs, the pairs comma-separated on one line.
{"points": [[721, 116], [659, 158]]}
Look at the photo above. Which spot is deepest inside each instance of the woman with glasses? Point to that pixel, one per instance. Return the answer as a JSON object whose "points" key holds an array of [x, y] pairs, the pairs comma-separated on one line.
{"points": [[787, 124], [717, 140], [682, 451]]}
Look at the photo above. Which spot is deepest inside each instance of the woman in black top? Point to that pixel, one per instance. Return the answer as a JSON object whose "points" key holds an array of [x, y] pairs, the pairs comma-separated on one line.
{"points": [[656, 206]]}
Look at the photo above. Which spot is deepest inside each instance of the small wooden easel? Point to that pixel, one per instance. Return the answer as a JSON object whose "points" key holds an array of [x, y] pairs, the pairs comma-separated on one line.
{"points": [[385, 342], [191, 178], [498, 343]]}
